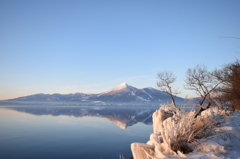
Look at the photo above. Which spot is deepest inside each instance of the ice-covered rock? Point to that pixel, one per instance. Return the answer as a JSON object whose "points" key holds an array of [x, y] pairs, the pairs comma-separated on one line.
{"points": [[158, 142]]}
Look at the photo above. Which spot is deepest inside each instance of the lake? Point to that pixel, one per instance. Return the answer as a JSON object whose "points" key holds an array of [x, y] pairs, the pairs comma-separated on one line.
{"points": [[76, 132]]}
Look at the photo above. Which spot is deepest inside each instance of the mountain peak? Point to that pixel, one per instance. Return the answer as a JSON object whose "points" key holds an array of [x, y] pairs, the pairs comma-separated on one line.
{"points": [[123, 85]]}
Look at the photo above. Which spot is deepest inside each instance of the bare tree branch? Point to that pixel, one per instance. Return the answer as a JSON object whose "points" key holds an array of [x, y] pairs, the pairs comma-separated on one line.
{"points": [[165, 81], [200, 80], [229, 91]]}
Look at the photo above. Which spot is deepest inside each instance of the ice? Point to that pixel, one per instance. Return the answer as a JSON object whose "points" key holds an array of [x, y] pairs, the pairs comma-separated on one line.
{"points": [[154, 147], [170, 124], [141, 151]]}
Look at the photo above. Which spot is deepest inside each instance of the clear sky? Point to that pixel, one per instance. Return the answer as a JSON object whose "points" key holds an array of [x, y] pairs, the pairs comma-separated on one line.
{"points": [[90, 46]]}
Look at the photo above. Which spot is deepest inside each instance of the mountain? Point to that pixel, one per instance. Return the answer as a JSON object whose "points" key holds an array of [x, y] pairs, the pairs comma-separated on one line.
{"points": [[123, 94]]}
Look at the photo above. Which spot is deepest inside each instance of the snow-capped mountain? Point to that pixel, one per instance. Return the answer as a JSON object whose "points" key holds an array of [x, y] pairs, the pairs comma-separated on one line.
{"points": [[125, 93], [122, 94], [124, 87]]}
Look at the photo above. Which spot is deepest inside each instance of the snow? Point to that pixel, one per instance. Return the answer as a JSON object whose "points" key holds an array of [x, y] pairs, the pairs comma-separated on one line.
{"points": [[169, 122], [119, 87], [148, 94], [133, 93], [142, 99]]}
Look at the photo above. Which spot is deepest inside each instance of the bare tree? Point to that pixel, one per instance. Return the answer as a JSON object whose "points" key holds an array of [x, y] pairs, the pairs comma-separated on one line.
{"points": [[203, 82], [229, 91], [166, 79]]}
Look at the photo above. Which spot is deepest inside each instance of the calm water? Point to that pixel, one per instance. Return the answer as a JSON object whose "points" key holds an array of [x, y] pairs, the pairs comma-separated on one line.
{"points": [[72, 132]]}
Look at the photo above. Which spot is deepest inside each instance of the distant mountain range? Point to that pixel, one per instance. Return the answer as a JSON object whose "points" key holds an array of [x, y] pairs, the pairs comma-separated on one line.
{"points": [[123, 94]]}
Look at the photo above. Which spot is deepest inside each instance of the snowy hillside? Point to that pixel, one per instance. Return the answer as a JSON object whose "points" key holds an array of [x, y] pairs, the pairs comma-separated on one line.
{"points": [[125, 93]]}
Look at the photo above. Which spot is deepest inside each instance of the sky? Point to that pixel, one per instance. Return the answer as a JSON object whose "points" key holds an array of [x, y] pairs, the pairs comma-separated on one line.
{"points": [[91, 46]]}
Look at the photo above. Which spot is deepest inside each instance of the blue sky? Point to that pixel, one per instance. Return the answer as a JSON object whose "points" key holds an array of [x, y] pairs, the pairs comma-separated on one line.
{"points": [[60, 46]]}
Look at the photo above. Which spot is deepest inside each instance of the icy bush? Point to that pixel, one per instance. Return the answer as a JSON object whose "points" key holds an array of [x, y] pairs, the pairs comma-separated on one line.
{"points": [[177, 132]]}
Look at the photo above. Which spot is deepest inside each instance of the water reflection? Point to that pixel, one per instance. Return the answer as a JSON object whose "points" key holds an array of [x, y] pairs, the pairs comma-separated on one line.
{"points": [[123, 117]]}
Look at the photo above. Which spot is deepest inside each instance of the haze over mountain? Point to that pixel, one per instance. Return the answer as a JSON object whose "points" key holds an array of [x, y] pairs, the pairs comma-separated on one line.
{"points": [[123, 94]]}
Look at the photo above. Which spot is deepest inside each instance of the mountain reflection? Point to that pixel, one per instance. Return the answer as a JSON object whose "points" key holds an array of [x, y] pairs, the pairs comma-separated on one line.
{"points": [[123, 117]]}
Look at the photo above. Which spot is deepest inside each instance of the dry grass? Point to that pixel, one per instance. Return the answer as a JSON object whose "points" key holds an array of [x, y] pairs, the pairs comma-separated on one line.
{"points": [[189, 130], [182, 132]]}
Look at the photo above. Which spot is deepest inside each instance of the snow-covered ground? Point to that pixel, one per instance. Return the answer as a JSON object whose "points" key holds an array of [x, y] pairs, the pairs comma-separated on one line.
{"points": [[231, 143], [224, 142]]}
